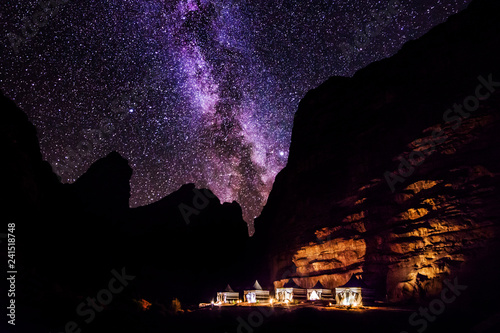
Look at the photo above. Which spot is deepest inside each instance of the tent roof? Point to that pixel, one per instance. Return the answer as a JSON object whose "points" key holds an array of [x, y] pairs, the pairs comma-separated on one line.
{"points": [[256, 286], [291, 284], [354, 282], [229, 289], [318, 285]]}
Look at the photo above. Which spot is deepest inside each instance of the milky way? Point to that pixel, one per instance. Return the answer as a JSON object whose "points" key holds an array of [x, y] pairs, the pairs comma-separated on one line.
{"points": [[188, 91]]}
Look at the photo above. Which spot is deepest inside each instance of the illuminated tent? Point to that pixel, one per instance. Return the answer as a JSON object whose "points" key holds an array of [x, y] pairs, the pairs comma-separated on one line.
{"points": [[228, 296], [256, 294], [350, 294], [318, 292], [290, 292]]}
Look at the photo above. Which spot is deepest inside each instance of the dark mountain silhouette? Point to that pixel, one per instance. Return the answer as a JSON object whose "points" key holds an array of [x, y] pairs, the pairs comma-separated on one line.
{"points": [[105, 188], [74, 235]]}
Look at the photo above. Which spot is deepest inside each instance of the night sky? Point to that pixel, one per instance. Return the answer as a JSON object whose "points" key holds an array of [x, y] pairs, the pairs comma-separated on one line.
{"points": [[188, 91]]}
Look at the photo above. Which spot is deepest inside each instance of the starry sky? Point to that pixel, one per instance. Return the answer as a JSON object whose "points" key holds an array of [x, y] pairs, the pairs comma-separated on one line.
{"points": [[189, 91]]}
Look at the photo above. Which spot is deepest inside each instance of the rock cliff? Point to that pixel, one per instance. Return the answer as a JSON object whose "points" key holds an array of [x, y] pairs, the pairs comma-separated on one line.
{"points": [[394, 172]]}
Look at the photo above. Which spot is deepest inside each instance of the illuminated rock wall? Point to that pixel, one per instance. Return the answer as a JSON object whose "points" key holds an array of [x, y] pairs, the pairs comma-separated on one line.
{"points": [[332, 212]]}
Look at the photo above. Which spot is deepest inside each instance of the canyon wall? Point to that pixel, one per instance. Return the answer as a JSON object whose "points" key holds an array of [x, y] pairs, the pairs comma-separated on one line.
{"points": [[394, 172]]}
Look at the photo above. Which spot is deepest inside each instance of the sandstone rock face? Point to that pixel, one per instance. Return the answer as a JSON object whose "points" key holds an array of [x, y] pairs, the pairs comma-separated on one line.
{"points": [[346, 203]]}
